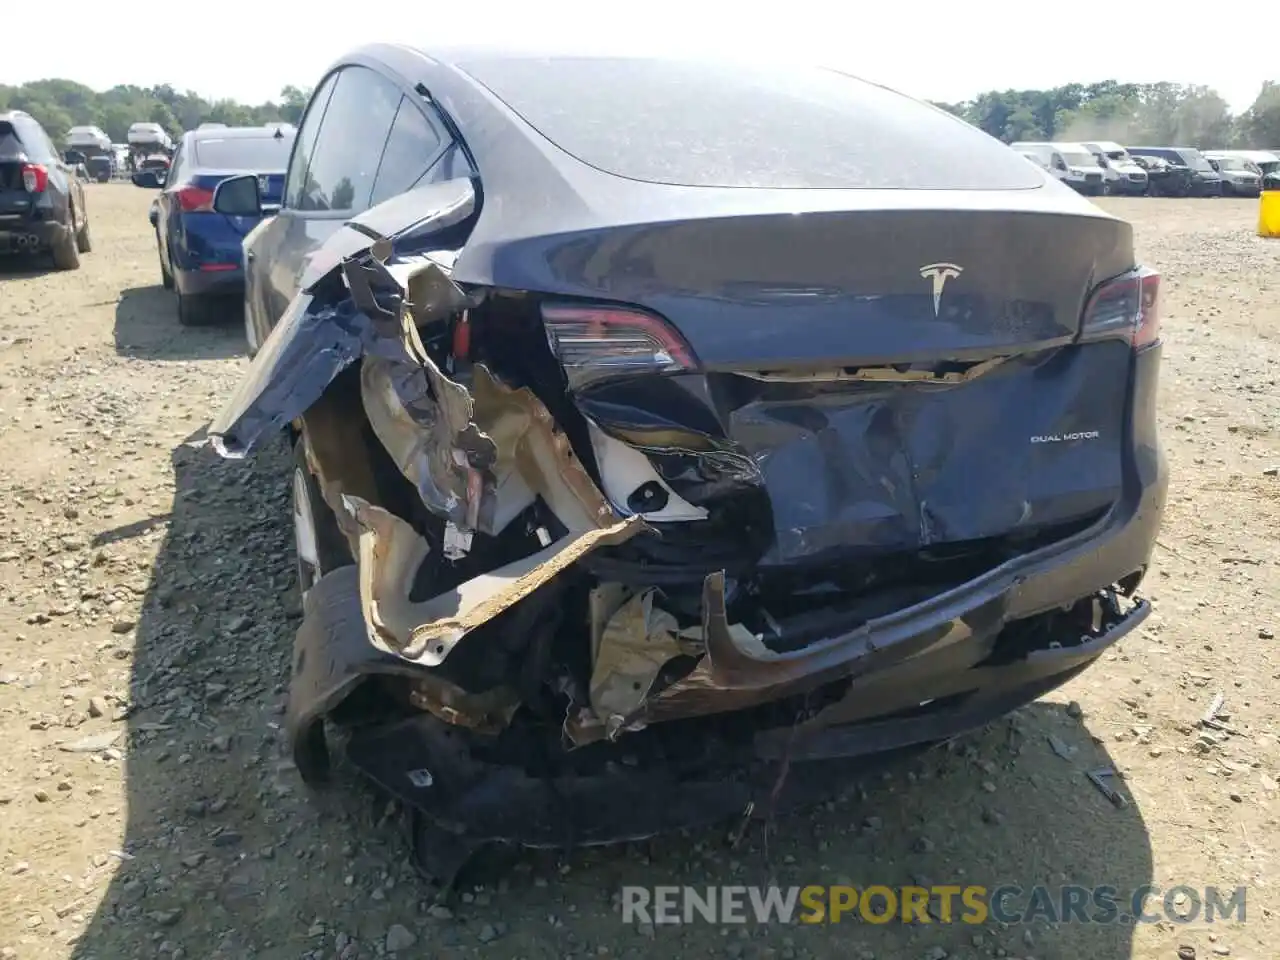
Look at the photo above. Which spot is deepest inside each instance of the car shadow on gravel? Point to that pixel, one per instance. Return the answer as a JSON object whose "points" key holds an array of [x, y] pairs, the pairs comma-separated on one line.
{"points": [[147, 328], [226, 854], [24, 266]]}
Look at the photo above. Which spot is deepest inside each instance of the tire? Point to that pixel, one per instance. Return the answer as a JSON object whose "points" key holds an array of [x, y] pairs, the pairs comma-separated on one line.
{"points": [[66, 251], [319, 546], [84, 244], [166, 278]]}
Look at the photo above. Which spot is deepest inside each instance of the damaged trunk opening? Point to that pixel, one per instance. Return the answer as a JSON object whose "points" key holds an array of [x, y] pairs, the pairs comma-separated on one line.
{"points": [[578, 564]]}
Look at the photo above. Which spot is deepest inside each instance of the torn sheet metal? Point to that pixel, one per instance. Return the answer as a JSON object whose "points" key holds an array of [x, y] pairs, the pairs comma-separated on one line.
{"points": [[425, 422], [324, 329], [636, 642], [391, 552], [477, 457], [737, 670]]}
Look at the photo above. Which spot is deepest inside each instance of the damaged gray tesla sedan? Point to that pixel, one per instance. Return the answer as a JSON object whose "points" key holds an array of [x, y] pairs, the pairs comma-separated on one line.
{"points": [[663, 428]]}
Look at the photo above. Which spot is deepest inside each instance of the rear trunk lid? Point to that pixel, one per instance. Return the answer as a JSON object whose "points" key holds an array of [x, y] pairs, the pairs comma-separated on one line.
{"points": [[865, 288], [16, 204], [891, 380]]}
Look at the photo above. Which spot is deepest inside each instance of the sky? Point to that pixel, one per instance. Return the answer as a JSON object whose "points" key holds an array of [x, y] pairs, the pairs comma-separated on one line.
{"points": [[927, 48]]}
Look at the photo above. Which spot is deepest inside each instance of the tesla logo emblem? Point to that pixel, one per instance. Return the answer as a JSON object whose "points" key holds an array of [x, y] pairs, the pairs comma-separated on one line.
{"points": [[939, 273]]}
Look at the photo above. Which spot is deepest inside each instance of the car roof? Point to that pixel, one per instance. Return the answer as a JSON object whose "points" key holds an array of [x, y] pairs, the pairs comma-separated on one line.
{"points": [[532, 184], [239, 133]]}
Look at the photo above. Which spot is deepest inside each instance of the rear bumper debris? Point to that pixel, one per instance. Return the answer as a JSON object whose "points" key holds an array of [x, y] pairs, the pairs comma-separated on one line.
{"points": [[960, 667]]}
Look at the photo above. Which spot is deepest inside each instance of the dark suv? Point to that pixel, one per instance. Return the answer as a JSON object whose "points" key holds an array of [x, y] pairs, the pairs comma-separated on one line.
{"points": [[1202, 179], [42, 204]]}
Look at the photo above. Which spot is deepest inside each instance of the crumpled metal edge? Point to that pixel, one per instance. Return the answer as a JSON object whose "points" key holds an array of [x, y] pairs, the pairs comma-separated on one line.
{"points": [[426, 631]]}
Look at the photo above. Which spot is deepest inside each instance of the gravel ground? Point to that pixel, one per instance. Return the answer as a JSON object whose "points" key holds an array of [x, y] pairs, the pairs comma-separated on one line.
{"points": [[147, 602]]}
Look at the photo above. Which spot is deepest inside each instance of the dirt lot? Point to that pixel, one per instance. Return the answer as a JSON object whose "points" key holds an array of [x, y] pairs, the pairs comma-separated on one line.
{"points": [[147, 601]]}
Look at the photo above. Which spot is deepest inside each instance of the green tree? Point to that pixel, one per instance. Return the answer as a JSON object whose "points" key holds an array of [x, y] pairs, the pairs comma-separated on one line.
{"points": [[1259, 126], [60, 104], [1154, 113], [293, 100]]}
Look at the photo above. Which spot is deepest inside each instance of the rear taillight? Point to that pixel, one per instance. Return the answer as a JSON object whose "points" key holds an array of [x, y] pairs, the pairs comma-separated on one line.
{"points": [[595, 342], [194, 199], [34, 177], [1127, 307]]}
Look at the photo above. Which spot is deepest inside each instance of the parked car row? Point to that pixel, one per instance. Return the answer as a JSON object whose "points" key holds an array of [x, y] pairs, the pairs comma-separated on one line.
{"points": [[1098, 167], [1264, 165]]}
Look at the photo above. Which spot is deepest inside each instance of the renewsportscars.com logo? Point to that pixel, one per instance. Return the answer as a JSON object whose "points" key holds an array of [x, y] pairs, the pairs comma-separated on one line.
{"points": [[942, 904]]}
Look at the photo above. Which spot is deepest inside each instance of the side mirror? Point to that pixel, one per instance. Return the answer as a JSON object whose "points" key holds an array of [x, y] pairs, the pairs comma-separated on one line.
{"points": [[147, 179], [238, 197]]}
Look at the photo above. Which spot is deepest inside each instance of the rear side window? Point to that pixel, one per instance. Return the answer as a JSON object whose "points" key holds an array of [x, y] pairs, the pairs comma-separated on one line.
{"points": [[10, 142], [265, 154], [25, 136], [344, 161], [412, 148], [178, 165], [733, 125]]}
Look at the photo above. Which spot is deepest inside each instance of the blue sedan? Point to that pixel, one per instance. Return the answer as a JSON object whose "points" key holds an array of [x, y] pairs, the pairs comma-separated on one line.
{"points": [[200, 249]]}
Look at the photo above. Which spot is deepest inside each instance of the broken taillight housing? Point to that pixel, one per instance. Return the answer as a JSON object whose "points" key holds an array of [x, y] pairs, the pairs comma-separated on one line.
{"points": [[598, 342], [1128, 307]]}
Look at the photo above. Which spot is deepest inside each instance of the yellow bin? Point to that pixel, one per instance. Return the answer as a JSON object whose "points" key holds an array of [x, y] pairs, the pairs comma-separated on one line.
{"points": [[1269, 214]]}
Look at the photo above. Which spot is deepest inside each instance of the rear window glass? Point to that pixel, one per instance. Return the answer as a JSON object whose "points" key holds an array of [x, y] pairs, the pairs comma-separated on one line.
{"points": [[709, 124], [10, 143], [244, 153]]}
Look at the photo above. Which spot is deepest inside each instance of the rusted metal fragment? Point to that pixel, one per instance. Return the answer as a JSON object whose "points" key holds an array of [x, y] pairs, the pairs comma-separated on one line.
{"points": [[425, 632], [487, 712]]}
